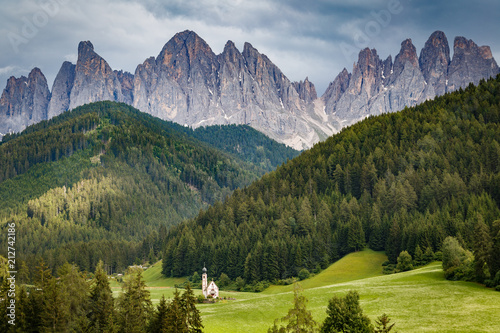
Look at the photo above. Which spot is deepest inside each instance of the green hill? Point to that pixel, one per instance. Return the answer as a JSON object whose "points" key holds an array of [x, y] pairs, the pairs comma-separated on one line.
{"points": [[105, 181], [392, 182], [417, 301]]}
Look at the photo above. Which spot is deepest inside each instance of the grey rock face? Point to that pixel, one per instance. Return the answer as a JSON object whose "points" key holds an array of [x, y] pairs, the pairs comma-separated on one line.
{"points": [[306, 90], [335, 90], [470, 63], [24, 102], [180, 82], [127, 83], [94, 79], [61, 90], [434, 61], [189, 84]]}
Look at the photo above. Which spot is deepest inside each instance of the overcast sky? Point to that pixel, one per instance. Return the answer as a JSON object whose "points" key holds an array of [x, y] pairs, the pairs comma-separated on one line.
{"points": [[314, 38]]}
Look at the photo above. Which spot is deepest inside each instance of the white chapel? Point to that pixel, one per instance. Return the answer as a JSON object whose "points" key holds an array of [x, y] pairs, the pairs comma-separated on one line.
{"points": [[208, 289]]}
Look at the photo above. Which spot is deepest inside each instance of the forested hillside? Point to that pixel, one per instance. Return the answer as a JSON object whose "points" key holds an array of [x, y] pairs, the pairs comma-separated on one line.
{"points": [[394, 182], [92, 183]]}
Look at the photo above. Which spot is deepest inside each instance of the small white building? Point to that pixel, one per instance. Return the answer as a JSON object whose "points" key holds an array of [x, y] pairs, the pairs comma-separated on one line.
{"points": [[208, 289]]}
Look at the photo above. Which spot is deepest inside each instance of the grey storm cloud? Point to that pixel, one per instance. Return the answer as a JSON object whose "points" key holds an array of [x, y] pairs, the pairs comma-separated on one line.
{"points": [[315, 38]]}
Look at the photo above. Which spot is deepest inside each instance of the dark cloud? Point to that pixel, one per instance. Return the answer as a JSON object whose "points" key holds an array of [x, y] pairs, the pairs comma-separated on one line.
{"points": [[304, 38]]}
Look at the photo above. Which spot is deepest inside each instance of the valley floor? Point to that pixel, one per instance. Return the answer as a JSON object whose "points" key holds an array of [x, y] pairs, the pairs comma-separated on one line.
{"points": [[421, 300]]}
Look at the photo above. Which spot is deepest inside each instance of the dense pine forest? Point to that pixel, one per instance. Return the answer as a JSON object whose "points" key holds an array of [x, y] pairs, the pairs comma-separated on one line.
{"points": [[105, 181], [396, 182]]}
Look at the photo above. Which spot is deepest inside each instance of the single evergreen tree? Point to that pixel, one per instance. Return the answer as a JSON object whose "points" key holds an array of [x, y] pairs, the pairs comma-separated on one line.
{"points": [[134, 304], [102, 314], [418, 258], [75, 293], [158, 322], [382, 324], [482, 250], [55, 313], [175, 317], [495, 250], [298, 319], [393, 246], [192, 318]]}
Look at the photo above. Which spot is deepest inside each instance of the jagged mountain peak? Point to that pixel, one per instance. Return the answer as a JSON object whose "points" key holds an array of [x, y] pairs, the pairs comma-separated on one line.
{"points": [[486, 52], [94, 79], [24, 101], [85, 50], [184, 44], [84, 46], [408, 53], [36, 72], [306, 90], [437, 38], [434, 61], [462, 43], [230, 47]]}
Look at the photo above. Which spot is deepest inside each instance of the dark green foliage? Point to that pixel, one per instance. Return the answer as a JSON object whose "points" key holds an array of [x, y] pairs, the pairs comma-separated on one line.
{"points": [[192, 319], [394, 182], [482, 250], [303, 274], [298, 319], [495, 251], [247, 143], [344, 314], [158, 322], [180, 315], [101, 313]]}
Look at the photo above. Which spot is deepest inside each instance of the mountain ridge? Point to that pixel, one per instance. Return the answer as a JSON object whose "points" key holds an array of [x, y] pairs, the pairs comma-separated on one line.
{"points": [[191, 85]]}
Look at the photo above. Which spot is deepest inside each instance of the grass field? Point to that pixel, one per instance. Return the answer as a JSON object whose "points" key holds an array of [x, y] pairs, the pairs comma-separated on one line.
{"points": [[417, 301]]}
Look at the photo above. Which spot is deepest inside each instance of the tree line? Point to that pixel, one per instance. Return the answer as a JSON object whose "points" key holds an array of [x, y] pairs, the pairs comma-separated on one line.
{"points": [[75, 302]]}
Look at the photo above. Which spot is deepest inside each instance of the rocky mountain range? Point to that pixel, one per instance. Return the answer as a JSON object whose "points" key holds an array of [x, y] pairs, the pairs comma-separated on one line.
{"points": [[191, 85]]}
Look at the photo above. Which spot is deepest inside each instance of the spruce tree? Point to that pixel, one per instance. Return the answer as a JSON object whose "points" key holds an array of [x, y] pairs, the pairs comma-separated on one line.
{"points": [[175, 318], [192, 319], [75, 293], [158, 323], [482, 250], [134, 304], [298, 319], [102, 312]]}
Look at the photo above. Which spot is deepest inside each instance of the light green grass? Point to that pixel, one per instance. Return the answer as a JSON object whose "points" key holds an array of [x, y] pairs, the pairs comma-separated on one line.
{"points": [[417, 301], [154, 278], [354, 266]]}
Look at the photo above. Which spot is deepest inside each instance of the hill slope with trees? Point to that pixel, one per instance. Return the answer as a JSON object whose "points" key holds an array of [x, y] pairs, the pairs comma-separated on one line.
{"points": [[92, 183], [399, 181]]}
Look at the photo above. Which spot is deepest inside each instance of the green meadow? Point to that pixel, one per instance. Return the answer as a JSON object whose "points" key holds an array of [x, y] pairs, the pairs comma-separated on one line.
{"points": [[417, 301]]}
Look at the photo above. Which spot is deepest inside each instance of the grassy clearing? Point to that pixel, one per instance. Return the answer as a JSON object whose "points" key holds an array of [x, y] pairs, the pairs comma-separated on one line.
{"points": [[417, 301]]}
